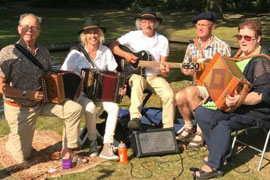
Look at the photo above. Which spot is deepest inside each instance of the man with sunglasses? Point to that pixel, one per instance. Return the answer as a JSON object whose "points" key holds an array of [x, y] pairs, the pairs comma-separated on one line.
{"points": [[205, 46]]}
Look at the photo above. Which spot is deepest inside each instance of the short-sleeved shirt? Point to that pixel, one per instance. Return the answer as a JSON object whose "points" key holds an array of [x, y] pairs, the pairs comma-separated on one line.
{"points": [[215, 45], [76, 60], [157, 46], [19, 72]]}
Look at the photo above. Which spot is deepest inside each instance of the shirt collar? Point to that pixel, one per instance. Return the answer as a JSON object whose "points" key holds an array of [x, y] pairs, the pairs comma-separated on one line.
{"points": [[21, 42], [210, 45]]}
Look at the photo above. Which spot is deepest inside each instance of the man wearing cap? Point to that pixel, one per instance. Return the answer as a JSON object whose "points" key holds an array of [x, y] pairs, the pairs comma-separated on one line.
{"points": [[148, 39], [24, 102], [205, 46]]}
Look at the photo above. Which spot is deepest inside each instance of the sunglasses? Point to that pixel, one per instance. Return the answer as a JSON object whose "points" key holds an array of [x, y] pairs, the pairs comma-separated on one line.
{"points": [[247, 38]]}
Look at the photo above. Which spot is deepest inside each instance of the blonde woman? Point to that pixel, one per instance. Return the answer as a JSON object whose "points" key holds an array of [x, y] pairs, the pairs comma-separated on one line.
{"points": [[91, 36]]}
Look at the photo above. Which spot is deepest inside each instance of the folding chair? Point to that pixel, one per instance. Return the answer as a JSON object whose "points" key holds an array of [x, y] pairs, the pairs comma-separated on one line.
{"points": [[83, 133], [267, 131]]}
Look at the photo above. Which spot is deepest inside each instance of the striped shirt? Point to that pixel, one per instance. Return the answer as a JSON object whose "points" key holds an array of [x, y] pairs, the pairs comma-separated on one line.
{"points": [[215, 45]]}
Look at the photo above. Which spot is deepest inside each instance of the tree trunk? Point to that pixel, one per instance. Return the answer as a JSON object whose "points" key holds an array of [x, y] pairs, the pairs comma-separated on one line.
{"points": [[216, 7]]}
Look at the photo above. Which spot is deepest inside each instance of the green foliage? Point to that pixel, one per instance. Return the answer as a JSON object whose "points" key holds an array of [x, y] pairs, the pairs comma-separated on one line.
{"points": [[179, 5]]}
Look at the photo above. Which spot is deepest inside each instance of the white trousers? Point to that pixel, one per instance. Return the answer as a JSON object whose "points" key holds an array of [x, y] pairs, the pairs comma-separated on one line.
{"points": [[89, 107]]}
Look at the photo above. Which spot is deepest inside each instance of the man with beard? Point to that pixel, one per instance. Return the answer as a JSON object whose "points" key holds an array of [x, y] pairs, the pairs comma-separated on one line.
{"points": [[148, 39]]}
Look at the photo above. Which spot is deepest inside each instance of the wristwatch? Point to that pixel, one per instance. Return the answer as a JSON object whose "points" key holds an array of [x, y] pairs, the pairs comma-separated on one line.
{"points": [[24, 93]]}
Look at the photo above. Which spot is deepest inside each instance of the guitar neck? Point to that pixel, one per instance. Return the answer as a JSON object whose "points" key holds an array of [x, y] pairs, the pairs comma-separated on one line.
{"points": [[157, 64], [193, 65]]}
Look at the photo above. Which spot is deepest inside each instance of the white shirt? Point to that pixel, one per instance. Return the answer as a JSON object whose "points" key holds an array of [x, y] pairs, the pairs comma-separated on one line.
{"points": [[76, 60], [157, 46]]}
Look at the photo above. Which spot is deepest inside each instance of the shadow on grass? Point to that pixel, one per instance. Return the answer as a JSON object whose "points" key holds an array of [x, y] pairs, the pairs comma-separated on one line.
{"points": [[242, 155], [106, 174]]}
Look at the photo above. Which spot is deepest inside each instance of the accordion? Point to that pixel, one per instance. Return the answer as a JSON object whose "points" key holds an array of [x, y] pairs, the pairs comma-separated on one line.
{"points": [[60, 85], [222, 76], [102, 85]]}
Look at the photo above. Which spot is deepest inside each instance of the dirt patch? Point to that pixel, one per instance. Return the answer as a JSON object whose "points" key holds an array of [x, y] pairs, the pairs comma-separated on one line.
{"points": [[44, 162]]}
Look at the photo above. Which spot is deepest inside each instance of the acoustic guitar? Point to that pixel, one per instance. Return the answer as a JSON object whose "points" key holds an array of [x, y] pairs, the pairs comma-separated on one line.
{"points": [[145, 60]]}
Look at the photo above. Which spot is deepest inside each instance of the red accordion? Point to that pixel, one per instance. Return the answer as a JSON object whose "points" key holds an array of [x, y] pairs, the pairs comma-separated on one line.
{"points": [[102, 85], [222, 76], [61, 85]]}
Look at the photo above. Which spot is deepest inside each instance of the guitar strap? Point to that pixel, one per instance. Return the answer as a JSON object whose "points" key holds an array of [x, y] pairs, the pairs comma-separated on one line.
{"points": [[30, 57], [197, 44]]}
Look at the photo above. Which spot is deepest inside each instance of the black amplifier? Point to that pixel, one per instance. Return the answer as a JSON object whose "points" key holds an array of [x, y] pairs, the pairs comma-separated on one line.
{"points": [[154, 142]]}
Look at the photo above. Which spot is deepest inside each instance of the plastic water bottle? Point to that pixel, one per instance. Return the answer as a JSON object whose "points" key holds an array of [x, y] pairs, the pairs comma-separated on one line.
{"points": [[122, 152]]}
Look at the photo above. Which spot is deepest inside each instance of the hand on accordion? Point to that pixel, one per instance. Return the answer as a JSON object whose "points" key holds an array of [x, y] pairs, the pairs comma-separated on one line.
{"points": [[36, 95], [232, 99]]}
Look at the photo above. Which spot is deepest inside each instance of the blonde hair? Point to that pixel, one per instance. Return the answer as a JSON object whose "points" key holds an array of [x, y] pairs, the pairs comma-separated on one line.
{"points": [[83, 36]]}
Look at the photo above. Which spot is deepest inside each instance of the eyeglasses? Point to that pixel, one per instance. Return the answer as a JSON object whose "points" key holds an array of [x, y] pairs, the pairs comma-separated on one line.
{"points": [[203, 25], [247, 38], [32, 28]]}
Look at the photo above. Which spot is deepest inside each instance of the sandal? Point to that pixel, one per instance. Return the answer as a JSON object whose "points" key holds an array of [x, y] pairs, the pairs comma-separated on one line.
{"points": [[195, 143], [78, 159], [214, 173], [188, 133]]}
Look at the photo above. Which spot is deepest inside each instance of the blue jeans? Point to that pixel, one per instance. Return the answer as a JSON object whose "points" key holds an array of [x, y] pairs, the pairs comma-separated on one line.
{"points": [[217, 138]]}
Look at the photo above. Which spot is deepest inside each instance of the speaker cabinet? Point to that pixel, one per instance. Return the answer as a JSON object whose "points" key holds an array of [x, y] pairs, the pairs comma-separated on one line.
{"points": [[154, 142]]}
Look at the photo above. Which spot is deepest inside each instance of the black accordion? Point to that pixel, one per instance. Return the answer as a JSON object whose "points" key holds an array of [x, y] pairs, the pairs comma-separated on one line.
{"points": [[60, 85], [102, 85]]}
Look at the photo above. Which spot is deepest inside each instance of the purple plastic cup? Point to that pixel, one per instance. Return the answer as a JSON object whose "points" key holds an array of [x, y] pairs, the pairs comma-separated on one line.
{"points": [[66, 164]]}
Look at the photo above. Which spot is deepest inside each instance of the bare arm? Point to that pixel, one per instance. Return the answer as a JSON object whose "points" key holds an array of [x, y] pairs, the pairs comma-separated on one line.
{"points": [[6, 90], [114, 46], [252, 98]]}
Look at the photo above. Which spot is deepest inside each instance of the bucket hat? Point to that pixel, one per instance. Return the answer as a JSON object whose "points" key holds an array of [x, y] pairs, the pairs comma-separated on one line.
{"points": [[149, 13], [90, 23]]}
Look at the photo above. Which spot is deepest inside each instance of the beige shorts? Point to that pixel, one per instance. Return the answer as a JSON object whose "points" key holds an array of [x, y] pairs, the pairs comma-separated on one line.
{"points": [[203, 91]]}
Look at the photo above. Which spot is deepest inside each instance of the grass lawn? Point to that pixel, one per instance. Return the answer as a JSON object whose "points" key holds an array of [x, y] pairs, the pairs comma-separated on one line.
{"points": [[62, 26]]}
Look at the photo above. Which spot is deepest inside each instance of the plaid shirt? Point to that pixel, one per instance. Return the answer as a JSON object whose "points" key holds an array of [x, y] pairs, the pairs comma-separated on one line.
{"points": [[215, 45]]}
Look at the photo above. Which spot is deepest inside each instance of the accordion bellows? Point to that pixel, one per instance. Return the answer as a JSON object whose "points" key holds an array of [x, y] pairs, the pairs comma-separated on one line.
{"points": [[61, 85], [102, 85], [222, 76]]}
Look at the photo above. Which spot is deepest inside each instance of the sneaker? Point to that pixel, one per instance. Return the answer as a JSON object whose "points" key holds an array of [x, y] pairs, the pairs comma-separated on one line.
{"points": [[93, 151], [135, 123], [107, 152]]}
